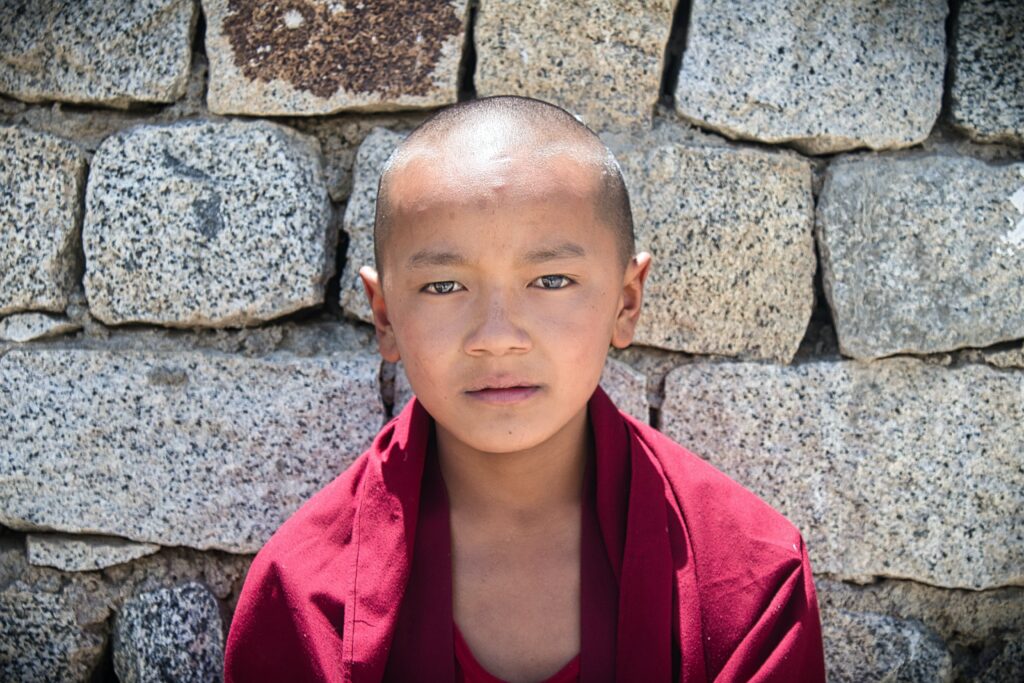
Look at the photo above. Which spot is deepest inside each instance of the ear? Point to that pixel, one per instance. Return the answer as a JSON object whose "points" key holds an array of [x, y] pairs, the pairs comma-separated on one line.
{"points": [[385, 333], [631, 300]]}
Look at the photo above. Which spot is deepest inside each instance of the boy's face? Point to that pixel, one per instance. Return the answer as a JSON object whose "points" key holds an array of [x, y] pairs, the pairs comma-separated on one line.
{"points": [[497, 272]]}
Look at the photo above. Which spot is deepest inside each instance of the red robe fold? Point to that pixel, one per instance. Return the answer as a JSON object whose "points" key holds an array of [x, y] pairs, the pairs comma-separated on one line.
{"points": [[711, 582]]}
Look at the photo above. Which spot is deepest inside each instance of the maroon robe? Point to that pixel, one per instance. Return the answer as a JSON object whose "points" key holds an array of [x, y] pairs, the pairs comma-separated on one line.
{"points": [[709, 582]]}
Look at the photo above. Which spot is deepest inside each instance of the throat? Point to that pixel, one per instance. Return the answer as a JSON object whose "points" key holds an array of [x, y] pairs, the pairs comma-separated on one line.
{"points": [[524, 490]]}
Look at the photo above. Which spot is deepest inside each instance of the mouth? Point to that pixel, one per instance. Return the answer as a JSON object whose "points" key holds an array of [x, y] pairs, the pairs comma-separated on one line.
{"points": [[504, 392]]}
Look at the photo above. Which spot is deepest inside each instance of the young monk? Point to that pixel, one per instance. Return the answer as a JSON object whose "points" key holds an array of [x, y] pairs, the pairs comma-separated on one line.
{"points": [[510, 524]]}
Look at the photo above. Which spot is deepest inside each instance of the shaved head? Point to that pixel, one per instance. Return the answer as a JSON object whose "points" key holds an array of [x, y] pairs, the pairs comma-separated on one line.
{"points": [[483, 130]]}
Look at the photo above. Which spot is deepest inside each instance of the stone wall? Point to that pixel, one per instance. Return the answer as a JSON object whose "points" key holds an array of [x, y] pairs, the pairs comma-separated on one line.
{"points": [[833, 194]]}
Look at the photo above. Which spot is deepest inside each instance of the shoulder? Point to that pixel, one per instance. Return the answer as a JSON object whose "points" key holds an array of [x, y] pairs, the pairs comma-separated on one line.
{"points": [[289, 617], [715, 506], [751, 574]]}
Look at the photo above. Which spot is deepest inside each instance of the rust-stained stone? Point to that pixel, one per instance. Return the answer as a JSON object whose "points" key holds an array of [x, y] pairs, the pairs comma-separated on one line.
{"points": [[323, 56]]}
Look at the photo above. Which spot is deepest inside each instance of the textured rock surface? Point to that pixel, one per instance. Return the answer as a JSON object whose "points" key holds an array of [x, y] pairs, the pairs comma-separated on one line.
{"points": [[730, 233], [55, 624], [340, 137], [863, 646], [626, 387], [41, 177], [982, 629], [600, 60], [110, 52], [825, 77], [359, 213], [987, 93], [49, 631], [43, 640], [320, 56], [895, 468], [154, 447], [83, 552], [206, 223], [23, 327], [170, 634], [921, 255], [1007, 358]]}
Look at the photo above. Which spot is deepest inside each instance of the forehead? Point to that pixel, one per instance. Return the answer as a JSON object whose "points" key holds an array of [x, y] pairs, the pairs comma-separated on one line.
{"points": [[449, 177]]}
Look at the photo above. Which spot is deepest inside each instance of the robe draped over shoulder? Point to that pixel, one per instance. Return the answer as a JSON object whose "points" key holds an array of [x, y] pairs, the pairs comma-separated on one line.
{"points": [[713, 584]]}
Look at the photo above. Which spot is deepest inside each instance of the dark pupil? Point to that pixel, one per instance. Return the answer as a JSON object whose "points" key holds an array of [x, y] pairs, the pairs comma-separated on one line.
{"points": [[444, 287], [551, 280]]}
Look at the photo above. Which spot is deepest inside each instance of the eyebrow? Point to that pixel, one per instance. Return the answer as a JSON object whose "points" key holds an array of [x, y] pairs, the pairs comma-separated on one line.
{"points": [[430, 257]]}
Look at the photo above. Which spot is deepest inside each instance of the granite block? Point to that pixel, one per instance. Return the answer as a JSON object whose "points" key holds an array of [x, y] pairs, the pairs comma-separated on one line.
{"points": [[169, 634], [322, 56], [359, 215], [922, 254], [987, 66], [41, 181], [626, 387], [83, 552], [154, 446], [730, 234], [23, 327], [600, 60], [896, 468], [340, 137], [863, 646], [823, 77], [206, 223], [43, 639], [109, 52]]}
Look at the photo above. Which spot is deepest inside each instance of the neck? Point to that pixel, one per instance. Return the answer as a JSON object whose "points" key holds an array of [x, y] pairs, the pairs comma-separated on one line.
{"points": [[524, 488]]}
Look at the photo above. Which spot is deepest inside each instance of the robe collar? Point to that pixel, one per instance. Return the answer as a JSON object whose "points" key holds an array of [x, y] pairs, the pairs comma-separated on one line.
{"points": [[631, 500]]}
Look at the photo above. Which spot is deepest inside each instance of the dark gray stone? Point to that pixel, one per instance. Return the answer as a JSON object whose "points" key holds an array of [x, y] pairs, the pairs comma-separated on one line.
{"points": [[170, 634], [987, 94]]}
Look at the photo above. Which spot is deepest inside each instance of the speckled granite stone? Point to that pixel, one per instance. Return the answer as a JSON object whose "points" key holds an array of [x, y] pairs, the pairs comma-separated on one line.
{"points": [[600, 60], [47, 630], [323, 56], [206, 224], [156, 446], [359, 214], [922, 254], [730, 233], [824, 77], [23, 327], [626, 387], [895, 468], [42, 639], [862, 646], [170, 634], [111, 52], [340, 137], [41, 177], [83, 552], [987, 93]]}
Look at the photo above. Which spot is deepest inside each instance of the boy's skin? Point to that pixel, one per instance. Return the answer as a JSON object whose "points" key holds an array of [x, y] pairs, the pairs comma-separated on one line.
{"points": [[512, 462]]}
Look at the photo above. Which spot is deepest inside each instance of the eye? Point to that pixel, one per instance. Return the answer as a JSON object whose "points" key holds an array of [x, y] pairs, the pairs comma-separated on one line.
{"points": [[554, 281], [443, 287]]}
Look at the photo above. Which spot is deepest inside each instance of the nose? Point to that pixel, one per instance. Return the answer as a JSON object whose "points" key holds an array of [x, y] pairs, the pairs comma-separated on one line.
{"points": [[496, 328]]}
